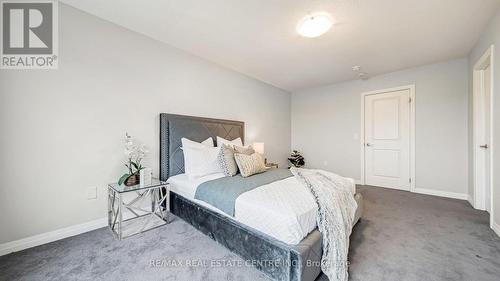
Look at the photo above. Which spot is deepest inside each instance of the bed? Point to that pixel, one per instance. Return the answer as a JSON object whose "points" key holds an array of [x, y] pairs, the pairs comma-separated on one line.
{"points": [[270, 249], [287, 211]]}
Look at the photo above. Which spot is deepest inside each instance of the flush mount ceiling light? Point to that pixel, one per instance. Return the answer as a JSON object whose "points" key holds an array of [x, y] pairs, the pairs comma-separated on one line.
{"points": [[314, 25]]}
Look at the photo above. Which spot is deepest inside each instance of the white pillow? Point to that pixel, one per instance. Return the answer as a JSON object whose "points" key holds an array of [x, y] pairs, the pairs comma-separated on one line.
{"points": [[189, 143], [221, 141], [201, 161]]}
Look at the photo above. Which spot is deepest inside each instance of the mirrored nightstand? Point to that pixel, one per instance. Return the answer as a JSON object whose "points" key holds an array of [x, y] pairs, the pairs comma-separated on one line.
{"points": [[271, 165], [127, 214]]}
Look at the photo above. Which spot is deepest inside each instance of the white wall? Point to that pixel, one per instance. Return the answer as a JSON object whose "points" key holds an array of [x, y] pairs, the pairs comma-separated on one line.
{"points": [[62, 130], [491, 36], [325, 120]]}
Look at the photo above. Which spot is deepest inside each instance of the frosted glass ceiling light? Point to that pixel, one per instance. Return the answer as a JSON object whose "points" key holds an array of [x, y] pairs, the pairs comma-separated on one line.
{"points": [[314, 25]]}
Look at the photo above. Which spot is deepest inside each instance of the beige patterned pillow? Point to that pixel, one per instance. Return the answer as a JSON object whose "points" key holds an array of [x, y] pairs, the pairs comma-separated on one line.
{"points": [[244, 150], [226, 160], [250, 164]]}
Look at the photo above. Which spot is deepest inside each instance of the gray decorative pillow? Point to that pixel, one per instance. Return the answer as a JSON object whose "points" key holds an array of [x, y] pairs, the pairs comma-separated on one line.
{"points": [[250, 164], [226, 160], [244, 150]]}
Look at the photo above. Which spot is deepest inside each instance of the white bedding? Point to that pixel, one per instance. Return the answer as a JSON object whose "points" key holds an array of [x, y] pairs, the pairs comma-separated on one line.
{"points": [[284, 209]]}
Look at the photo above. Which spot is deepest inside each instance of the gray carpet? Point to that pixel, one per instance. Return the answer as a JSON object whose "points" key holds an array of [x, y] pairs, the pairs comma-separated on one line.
{"points": [[402, 236]]}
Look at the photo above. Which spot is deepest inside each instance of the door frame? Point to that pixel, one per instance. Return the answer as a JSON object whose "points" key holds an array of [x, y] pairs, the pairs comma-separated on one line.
{"points": [[479, 190], [362, 146]]}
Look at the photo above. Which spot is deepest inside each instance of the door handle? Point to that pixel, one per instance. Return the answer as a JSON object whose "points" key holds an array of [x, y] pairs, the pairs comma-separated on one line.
{"points": [[485, 146], [368, 144]]}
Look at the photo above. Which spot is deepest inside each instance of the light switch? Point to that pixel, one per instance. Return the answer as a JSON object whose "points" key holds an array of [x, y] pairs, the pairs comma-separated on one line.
{"points": [[325, 163], [92, 193], [355, 136]]}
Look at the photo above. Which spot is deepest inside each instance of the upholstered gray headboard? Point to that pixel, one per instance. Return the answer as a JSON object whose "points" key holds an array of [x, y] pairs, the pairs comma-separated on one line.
{"points": [[174, 127]]}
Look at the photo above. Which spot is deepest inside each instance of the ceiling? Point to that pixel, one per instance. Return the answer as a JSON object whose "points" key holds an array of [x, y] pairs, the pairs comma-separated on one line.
{"points": [[258, 37]]}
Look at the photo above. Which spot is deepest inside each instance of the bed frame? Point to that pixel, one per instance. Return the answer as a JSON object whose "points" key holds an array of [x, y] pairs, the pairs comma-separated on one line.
{"points": [[276, 259]]}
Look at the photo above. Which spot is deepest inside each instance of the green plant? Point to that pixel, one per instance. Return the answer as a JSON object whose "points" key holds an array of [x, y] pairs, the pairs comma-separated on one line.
{"points": [[135, 154], [296, 159]]}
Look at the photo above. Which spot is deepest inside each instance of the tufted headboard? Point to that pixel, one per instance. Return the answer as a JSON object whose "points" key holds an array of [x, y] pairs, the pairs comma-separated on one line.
{"points": [[174, 127]]}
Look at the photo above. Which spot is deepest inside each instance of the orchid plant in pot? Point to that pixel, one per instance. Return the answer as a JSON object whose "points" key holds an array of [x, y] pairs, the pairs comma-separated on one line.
{"points": [[135, 154]]}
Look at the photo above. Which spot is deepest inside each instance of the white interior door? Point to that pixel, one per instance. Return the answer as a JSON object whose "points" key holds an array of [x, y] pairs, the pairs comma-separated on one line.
{"points": [[387, 139], [482, 135], [484, 147]]}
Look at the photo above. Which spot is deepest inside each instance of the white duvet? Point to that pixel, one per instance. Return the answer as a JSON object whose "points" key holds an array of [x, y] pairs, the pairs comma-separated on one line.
{"points": [[284, 209]]}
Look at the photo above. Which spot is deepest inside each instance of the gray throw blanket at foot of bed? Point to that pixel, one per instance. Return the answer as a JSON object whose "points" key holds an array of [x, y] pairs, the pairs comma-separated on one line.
{"points": [[336, 209]]}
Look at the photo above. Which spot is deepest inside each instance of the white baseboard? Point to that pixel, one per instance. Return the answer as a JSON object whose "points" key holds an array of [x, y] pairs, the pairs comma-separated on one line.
{"points": [[471, 200], [454, 195], [495, 228], [51, 236]]}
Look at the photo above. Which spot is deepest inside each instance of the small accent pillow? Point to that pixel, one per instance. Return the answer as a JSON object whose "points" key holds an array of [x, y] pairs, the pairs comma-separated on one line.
{"points": [[226, 160], [250, 164], [244, 150], [221, 141]]}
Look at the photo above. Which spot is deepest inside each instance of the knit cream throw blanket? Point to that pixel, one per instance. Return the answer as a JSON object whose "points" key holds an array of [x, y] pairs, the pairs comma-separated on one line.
{"points": [[336, 210]]}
